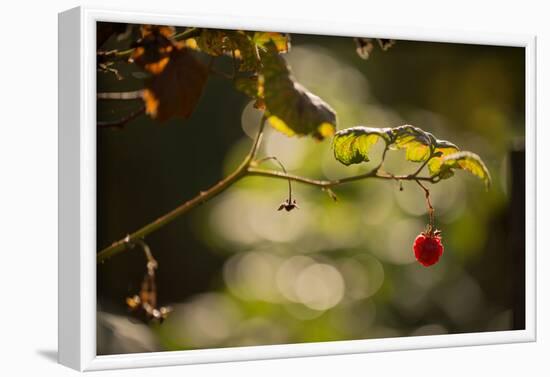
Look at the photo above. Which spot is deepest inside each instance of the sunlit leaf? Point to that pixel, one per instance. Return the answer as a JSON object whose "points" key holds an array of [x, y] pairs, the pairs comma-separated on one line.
{"points": [[281, 40], [213, 42], [176, 89], [290, 107], [245, 51], [249, 86], [442, 149], [236, 44], [352, 145], [177, 78], [240, 45], [467, 161], [415, 141]]}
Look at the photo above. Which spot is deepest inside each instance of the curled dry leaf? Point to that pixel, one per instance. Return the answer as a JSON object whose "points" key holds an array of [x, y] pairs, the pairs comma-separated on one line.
{"points": [[177, 77], [152, 51], [176, 90]]}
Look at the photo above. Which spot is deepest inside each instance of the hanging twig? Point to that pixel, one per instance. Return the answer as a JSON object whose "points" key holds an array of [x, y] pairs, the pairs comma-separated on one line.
{"points": [[431, 225], [146, 300], [289, 204]]}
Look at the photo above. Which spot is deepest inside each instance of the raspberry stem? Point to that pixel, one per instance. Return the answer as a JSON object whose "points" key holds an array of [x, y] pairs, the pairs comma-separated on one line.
{"points": [[431, 214]]}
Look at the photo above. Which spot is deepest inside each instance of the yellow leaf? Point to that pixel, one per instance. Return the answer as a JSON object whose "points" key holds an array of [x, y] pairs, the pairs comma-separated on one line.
{"points": [[280, 125], [469, 162]]}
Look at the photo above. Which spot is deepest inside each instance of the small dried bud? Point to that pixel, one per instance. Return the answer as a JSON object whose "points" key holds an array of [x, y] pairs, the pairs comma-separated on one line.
{"points": [[288, 206]]}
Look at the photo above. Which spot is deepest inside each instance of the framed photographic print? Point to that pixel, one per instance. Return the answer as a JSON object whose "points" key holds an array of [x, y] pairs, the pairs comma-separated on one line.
{"points": [[239, 189]]}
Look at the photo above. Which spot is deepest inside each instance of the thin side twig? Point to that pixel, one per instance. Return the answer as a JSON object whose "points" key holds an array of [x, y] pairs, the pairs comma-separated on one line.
{"points": [[131, 95], [120, 123]]}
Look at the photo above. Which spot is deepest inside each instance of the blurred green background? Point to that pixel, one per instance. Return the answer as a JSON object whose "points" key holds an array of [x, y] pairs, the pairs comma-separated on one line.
{"points": [[237, 272]]}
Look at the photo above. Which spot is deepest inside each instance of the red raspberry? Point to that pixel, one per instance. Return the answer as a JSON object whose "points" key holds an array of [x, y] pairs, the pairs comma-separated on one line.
{"points": [[427, 249]]}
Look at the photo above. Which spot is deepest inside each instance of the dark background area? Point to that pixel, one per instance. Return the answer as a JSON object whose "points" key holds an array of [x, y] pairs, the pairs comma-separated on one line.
{"points": [[471, 95]]}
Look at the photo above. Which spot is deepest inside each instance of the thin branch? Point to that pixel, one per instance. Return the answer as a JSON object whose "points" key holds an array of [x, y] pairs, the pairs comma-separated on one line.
{"points": [[134, 94], [120, 123], [106, 68], [280, 175], [379, 166], [331, 183], [203, 196], [257, 141], [125, 54], [186, 34]]}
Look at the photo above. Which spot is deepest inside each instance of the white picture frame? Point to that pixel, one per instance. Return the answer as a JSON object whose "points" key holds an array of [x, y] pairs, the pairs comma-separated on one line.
{"points": [[77, 191]]}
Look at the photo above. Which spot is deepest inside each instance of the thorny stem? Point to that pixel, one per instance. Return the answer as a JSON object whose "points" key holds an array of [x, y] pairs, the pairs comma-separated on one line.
{"points": [[247, 168]]}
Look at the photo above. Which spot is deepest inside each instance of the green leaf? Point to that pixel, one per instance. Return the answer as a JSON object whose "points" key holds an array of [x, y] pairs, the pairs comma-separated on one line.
{"points": [[442, 149], [232, 43], [281, 40], [416, 142], [352, 145], [249, 86], [213, 42], [467, 161], [291, 108], [243, 48]]}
